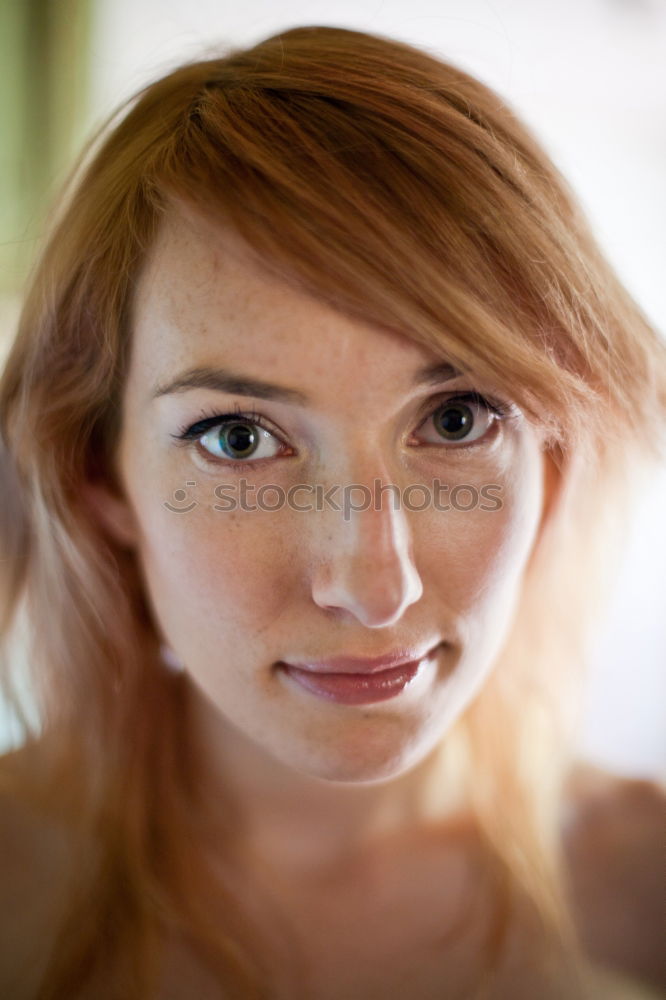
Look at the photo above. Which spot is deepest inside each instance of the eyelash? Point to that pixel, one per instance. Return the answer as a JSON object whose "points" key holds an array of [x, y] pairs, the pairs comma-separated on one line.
{"points": [[192, 432], [189, 433]]}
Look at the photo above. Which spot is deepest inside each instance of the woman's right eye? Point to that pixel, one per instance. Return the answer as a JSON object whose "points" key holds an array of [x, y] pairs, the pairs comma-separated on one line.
{"points": [[234, 439], [239, 440]]}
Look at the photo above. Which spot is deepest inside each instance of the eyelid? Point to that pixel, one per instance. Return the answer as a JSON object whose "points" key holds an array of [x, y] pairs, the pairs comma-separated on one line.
{"points": [[498, 409], [193, 431], [497, 406]]}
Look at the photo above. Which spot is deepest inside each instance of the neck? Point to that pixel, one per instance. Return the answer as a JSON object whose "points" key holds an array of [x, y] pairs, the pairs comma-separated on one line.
{"points": [[294, 822]]}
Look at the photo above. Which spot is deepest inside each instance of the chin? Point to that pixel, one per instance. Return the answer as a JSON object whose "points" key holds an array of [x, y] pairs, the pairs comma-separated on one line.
{"points": [[372, 764]]}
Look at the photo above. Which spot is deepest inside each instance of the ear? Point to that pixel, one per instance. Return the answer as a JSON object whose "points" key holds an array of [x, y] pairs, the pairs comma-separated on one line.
{"points": [[112, 511], [552, 481], [553, 469]]}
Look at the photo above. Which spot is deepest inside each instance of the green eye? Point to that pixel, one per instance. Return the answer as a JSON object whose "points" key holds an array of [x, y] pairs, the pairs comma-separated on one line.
{"points": [[238, 440], [453, 421], [462, 419]]}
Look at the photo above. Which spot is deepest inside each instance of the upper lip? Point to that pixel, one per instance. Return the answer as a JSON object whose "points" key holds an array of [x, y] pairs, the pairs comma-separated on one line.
{"points": [[361, 664]]}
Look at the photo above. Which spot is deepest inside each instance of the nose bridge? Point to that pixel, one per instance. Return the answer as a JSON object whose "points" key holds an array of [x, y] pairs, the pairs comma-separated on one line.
{"points": [[366, 561]]}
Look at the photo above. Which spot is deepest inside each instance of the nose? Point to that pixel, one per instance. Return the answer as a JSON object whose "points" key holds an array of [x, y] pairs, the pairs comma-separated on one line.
{"points": [[366, 565]]}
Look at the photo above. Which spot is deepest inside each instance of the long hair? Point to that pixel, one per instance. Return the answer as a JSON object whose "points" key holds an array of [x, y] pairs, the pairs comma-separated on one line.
{"points": [[401, 191]]}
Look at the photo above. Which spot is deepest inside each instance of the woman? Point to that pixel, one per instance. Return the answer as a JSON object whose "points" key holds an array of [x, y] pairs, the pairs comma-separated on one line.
{"points": [[322, 395]]}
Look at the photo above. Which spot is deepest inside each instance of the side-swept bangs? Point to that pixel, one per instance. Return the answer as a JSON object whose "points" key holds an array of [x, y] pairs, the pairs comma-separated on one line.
{"points": [[406, 194]]}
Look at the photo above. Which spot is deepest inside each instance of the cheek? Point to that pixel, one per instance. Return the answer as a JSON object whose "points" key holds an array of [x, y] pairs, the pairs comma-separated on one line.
{"points": [[217, 575], [474, 559]]}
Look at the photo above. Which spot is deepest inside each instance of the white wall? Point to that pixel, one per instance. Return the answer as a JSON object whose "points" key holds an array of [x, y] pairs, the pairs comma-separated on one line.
{"points": [[589, 76]]}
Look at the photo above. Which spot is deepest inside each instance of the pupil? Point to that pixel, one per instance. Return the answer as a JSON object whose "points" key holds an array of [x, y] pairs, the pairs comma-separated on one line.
{"points": [[455, 420], [240, 438]]}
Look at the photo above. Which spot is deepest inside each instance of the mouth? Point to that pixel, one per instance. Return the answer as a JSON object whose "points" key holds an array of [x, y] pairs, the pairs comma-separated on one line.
{"points": [[374, 683]]}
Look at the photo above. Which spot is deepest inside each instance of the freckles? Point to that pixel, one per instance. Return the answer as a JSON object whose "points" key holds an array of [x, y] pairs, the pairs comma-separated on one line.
{"points": [[467, 554], [239, 564]]}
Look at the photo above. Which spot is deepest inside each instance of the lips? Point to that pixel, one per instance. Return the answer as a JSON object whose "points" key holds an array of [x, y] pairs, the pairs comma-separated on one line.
{"points": [[363, 665], [361, 681]]}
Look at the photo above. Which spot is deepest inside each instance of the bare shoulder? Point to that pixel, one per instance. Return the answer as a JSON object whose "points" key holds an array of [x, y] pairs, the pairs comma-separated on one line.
{"points": [[614, 838], [603, 983], [35, 863], [592, 788]]}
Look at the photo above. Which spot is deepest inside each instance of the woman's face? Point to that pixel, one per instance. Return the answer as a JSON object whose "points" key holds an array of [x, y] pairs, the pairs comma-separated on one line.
{"points": [[333, 568]]}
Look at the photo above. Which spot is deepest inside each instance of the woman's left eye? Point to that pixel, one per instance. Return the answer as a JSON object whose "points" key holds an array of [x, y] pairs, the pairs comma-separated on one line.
{"points": [[463, 419]]}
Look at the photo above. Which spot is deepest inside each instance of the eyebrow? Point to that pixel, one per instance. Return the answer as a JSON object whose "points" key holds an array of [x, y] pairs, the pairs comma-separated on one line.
{"points": [[224, 380]]}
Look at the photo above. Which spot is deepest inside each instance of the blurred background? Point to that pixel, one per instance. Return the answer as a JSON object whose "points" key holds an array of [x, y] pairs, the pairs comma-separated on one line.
{"points": [[588, 77]]}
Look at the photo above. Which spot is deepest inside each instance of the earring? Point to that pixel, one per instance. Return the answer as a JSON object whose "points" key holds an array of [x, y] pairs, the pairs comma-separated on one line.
{"points": [[170, 660]]}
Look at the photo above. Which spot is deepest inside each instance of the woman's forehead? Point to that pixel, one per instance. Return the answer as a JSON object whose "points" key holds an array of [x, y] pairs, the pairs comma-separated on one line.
{"points": [[190, 250], [205, 299]]}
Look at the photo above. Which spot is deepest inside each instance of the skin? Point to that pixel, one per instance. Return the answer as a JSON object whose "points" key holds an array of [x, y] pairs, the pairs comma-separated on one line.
{"points": [[234, 593]]}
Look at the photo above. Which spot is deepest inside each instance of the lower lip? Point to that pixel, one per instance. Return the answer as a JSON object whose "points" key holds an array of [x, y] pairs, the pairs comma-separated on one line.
{"points": [[358, 689]]}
